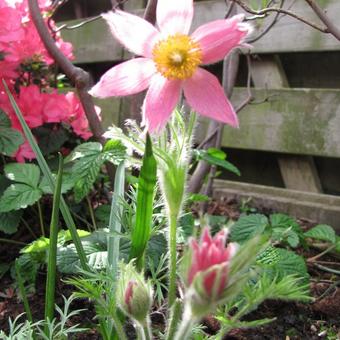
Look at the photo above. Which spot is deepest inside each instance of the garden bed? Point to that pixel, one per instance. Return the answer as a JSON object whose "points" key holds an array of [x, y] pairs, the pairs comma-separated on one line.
{"points": [[294, 320]]}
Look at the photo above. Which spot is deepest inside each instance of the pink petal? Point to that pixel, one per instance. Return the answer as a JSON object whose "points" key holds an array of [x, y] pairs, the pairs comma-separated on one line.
{"points": [[206, 96], [219, 37], [127, 78], [135, 33], [174, 16], [160, 101]]}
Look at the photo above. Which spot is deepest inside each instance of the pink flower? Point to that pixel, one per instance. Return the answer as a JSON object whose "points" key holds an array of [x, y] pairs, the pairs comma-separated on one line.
{"points": [[24, 152], [10, 25], [210, 260], [170, 62]]}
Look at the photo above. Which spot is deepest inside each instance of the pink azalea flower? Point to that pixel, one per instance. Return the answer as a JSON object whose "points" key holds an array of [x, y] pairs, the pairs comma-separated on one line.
{"points": [[24, 152], [10, 25], [56, 107], [211, 259], [170, 62]]}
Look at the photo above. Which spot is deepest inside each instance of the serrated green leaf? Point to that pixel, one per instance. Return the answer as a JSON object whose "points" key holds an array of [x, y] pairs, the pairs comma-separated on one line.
{"points": [[9, 221], [68, 260], [19, 196], [247, 227], [67, 185], [23, 173], [88, 159], [10, 139], [5, 122], [322, 232], [293, 239], [283, 221], [270, 256], [287, 263]]}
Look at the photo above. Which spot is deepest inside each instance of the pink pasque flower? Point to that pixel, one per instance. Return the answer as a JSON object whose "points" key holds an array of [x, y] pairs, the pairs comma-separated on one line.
{"points": [[170, 62], [210, 258]]}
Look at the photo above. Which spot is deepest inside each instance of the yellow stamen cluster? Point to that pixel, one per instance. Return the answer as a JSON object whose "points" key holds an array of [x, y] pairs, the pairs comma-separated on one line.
{"points": [[177, 57]]}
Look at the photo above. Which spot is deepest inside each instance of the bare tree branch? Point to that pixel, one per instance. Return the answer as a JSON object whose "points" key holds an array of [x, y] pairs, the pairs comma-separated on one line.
{"points": [[332, 28], [266, 11]]}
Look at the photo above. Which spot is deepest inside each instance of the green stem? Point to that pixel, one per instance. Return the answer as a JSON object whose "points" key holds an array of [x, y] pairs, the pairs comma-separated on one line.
{"points": [[93, 219], [28, 228], [5, 240], [173, 259], [146, 330], [52, 253], [118, 327], [41, 219], [186, 324], [88, 225], [174, 319], [22, 290]]}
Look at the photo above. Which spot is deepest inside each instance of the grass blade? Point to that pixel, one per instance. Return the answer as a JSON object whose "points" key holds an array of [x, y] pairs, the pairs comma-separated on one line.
{"points": [[52, 253], [145, 197], [47, 173]]}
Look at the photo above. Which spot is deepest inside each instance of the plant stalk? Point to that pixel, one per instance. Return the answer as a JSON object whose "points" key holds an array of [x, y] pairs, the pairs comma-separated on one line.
{"points": [[173, 259], [41, 219], [93, 219], [186, 324], [174, 319], [52, 254]]}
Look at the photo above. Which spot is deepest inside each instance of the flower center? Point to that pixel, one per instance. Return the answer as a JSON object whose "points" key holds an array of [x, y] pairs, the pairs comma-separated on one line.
{"points": [[177, 57]]}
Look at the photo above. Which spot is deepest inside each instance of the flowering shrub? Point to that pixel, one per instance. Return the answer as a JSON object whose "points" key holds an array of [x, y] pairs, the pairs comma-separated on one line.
{"points": [[24, 64]]}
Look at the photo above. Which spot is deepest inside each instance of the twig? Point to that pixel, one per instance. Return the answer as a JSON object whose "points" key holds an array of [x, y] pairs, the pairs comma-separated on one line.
{"points": [[327, 269], [81, 24], [333, 285], [265, 11], [230, 6], [331, 27], [314, 258], [268, 28]]}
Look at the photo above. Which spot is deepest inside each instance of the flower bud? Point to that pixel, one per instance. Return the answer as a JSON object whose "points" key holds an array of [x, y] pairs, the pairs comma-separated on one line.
{"points": [[134, 293], [206, 269]]}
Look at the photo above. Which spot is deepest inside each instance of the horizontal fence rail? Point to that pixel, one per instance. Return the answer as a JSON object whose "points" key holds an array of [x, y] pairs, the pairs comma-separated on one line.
{"points": [[94, 43]]}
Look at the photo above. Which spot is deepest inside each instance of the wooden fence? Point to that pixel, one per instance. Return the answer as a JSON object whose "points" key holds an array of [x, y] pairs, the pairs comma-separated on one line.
{"points": [[296, 124]]}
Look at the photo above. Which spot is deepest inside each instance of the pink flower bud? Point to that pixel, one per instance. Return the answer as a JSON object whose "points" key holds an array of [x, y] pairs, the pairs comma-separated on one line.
{"points": [[209, 263]]}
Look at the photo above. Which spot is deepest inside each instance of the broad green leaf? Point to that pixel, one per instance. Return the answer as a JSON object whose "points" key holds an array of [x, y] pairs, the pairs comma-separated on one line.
{"points": [[9, 221], [144, 207], [247, 227], [194, 198], [284, 221], [217, 153], [211, 159], [37, 246], [322, 232], [42, 243], [68, 183], [68, 260], [51, 140], [23, 173], [88, 159], [19, 196], [285, 263], [10, 139]]}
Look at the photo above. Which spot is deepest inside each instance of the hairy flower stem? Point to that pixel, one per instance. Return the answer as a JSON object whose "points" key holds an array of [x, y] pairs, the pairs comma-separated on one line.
{"points": [[173, 258], [144, 330], [186, 324], [174, 319]]}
